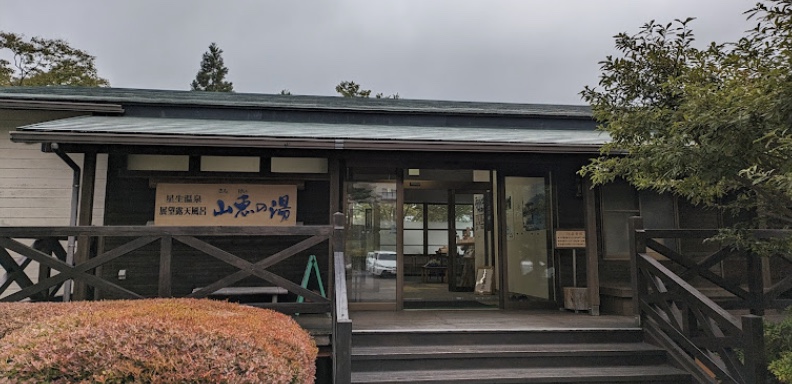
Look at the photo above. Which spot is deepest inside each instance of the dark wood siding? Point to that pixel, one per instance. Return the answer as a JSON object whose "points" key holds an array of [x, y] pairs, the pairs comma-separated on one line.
{"points": [[130, 201]]}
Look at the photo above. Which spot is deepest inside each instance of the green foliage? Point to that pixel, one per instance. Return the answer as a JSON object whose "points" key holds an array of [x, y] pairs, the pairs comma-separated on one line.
{"points": [[782, 368], [710, 124], [351, 89], [161, 340], [38, 62], [778, 347], [211, 76]]}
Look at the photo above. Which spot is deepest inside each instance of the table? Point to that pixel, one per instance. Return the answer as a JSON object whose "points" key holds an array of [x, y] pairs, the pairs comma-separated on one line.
{"points": [[427, 272]]}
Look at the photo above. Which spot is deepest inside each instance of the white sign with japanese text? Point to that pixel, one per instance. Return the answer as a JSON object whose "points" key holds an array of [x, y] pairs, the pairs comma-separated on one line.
{"points": [[570, 238]]}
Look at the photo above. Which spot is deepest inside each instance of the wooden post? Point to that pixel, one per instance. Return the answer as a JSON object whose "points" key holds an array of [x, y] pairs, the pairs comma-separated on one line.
{"points": [[637, 244], [400, 241], [755, 369], [166, 248], [85, 217], [592, 256], [335, 192], [755, 283], [342, 324]]}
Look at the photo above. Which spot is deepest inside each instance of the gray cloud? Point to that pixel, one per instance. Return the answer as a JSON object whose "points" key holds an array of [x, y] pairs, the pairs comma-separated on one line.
{"points": [[516, 51]]}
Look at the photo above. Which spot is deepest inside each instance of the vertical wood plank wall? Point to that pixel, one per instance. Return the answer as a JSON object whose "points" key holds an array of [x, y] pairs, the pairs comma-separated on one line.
{"points": [[36, 187]]}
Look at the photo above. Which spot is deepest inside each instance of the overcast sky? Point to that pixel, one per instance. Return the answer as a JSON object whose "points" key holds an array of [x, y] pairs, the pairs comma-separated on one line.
{"points": [[526, 51]]}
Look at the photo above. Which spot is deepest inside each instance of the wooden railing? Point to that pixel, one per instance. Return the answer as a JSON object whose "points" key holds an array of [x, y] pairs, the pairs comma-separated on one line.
{"points": [[83, 272], [46, 244], [693, 327]]}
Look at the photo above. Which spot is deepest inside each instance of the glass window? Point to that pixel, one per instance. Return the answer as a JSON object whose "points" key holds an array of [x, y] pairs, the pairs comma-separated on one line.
{"points": [[619, 202], [371, 241], [437, 215]]}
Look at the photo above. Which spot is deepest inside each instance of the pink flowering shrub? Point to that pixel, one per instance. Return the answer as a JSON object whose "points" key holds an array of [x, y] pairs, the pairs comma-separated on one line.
{"points": [[151, 341]]}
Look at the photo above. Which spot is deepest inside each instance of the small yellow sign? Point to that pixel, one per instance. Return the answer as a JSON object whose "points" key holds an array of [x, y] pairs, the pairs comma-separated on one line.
{"points": [[570, 238], [225, 205]]}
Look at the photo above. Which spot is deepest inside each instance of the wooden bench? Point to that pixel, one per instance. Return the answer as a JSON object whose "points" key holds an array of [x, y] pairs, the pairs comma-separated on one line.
{"points": [[248, 291]]}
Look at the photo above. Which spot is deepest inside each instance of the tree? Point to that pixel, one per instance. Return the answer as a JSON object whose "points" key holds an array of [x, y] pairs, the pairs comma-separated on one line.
{"points": [[351, 89], [710, 124], [38, 61], [211, 76]]}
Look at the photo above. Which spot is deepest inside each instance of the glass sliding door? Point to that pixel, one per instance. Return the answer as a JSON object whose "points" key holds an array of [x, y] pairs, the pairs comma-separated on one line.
{"points": [[461, 255], [371, 247], [454, 226], [530, 271]]}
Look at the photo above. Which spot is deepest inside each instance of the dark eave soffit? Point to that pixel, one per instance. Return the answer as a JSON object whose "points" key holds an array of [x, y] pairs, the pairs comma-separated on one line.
{"points": [[114, 109], [100, 139]]}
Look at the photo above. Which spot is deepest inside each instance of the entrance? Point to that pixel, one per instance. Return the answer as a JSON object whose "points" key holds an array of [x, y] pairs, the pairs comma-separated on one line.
{"points": [[448, 246], [420, 239], [530, 271]]}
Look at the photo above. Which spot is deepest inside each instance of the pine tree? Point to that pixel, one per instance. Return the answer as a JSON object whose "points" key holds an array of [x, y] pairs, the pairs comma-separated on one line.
{"points": [[211, 76]]}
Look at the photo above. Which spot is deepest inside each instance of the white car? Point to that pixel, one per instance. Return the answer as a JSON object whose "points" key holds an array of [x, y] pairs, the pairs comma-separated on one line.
{"points": [[381, 263]]}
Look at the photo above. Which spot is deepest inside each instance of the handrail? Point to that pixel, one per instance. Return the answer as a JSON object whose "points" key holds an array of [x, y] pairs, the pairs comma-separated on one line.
{"points": [[142, 230], [342, 324], [692, 327]]}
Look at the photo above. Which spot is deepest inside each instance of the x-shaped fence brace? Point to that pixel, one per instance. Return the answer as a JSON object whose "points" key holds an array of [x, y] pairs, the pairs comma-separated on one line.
{"points": [[15, 271], [699, 326], [758, 300], [258, 269], [66, 271]]}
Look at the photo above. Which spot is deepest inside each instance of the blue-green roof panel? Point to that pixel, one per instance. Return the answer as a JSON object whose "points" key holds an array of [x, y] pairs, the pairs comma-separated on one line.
{"points": [[270, 129]]}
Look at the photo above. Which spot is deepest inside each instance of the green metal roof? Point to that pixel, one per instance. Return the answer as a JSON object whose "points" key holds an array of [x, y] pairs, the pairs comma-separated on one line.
{"points": [[295, 102], [274, 134]]}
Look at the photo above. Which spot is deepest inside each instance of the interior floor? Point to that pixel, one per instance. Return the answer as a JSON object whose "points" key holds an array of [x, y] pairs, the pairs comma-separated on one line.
{"points": [[436, 295]]}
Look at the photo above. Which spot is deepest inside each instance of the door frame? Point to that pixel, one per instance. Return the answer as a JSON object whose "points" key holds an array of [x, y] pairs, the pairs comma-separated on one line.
{"points": [[489, 244], [502, 237]]}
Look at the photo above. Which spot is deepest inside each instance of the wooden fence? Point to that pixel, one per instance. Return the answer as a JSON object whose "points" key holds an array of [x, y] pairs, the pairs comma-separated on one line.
{"points": [[55, 271], [698, 331]]}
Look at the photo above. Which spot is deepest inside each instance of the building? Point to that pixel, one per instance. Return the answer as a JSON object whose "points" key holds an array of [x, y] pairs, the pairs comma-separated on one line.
{"points": [[490, 191]]}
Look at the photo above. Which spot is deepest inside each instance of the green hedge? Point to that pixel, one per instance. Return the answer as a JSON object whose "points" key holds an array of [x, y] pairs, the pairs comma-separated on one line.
{"points": [[158, 340], [778, 348]]}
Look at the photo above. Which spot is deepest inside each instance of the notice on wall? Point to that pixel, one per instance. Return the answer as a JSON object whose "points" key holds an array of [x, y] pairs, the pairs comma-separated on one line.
{"points": [[225, 205], [570, 238]]}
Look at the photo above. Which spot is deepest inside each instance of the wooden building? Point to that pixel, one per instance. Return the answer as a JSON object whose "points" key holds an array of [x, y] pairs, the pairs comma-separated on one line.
{"points": [[447, 204]]}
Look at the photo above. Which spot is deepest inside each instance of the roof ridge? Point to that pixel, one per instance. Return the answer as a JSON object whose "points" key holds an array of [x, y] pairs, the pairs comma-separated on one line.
{"points": [[314, 102]]}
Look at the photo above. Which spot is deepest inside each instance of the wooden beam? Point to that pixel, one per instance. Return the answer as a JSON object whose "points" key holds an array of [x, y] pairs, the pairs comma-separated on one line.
{"points": [[634, 224], [336, 186], [592, 248], [85, 218], [166, 246], [400, 241], [15, 272], [104, 139], [140, 230], [291, 308]]}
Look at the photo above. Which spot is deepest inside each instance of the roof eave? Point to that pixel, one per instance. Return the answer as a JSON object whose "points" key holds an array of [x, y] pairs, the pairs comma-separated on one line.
{"points": [[82, 138], [105, 108]]}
